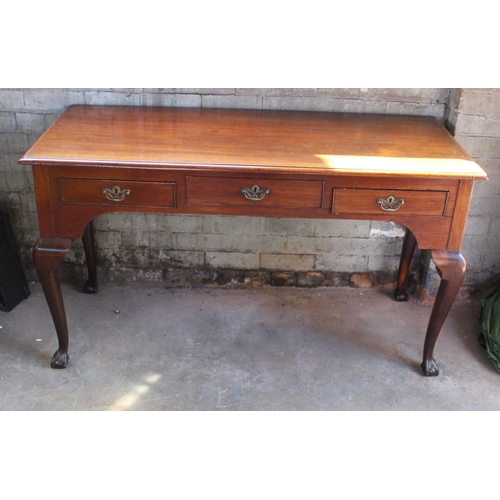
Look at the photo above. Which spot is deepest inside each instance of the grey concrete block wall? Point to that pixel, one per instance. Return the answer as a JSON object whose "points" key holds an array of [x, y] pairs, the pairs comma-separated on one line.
{"points": [[152, 246], [475, 121]]}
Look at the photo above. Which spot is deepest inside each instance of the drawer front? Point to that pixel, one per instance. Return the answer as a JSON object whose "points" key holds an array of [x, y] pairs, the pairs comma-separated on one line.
{"points": [[253, 191], [116, 193], [388, 201]]}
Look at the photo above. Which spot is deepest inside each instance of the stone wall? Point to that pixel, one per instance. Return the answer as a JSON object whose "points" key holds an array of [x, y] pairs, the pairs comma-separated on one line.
{"points": [[180, 250]]}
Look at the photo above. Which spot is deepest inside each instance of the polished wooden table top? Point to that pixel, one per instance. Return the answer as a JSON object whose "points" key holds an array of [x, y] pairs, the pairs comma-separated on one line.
{"points": [[343, 143]]}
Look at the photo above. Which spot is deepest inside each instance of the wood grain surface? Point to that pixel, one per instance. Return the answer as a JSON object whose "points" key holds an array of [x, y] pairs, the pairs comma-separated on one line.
{"points": [[240, 139]]}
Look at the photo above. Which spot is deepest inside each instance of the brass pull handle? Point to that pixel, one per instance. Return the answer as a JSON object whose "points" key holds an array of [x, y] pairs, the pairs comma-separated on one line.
{"points": [[255, 193], [115, 193], [390, 204]]}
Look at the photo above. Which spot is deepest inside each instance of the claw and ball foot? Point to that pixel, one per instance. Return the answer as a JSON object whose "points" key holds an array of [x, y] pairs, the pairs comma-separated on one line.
{"points": [[60, 359], [401, 295], [90, 287], [430, 368]]}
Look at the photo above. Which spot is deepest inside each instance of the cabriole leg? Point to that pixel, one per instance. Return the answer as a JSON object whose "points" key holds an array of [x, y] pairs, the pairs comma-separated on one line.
{"points": [[47, 255], [90, 285], [451, 267], [409, 244]]}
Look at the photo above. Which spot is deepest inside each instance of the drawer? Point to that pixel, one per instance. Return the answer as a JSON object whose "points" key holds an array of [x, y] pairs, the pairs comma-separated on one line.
{"points": [[388, 201], [116, 193], [253, 191]]}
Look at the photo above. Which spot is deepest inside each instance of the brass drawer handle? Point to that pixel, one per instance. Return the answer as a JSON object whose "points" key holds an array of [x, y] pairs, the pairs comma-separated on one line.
{"points": [[390, 204], [115, 193], [255, 193]]}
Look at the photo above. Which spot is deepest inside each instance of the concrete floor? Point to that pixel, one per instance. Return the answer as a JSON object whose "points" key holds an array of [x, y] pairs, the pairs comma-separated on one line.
{"points": [[240, 349]]}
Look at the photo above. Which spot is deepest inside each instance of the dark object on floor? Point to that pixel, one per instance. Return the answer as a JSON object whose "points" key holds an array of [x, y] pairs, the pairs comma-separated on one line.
{"points": [[13, 285], [489, 318]]}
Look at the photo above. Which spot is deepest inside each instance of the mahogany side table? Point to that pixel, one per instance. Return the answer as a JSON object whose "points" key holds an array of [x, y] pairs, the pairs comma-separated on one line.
{"points": [[405, 169]]}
